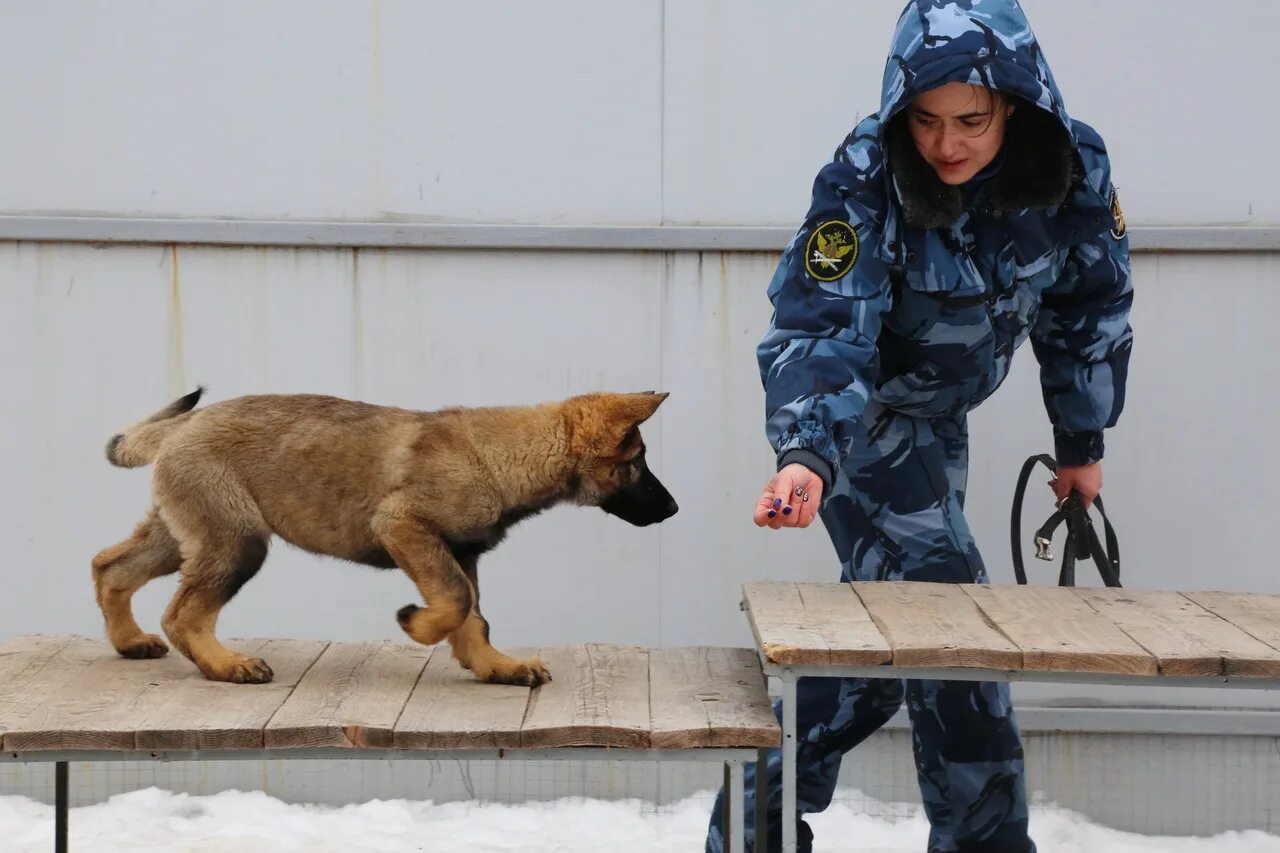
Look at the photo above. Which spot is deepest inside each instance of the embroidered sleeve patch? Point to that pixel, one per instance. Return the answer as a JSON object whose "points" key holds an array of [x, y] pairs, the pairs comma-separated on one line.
{"points": [[1120, 230], [832, 250]]}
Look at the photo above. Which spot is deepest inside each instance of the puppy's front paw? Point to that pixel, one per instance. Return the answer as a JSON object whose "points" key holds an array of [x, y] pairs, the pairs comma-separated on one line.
{"points": [[528, 673], [405, 614], [241, 670], [429, 625]]}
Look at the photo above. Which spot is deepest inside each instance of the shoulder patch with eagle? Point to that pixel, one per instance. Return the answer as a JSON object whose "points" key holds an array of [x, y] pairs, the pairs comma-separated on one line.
{"points": [[832, 250]]}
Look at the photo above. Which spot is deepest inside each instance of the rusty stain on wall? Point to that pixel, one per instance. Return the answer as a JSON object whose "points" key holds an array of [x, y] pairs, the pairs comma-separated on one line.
{"points": [[177, 368], [357, 327]]}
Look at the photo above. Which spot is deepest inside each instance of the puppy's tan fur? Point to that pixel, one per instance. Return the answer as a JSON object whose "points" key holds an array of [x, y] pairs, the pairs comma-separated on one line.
{"points": [[425, 491]]}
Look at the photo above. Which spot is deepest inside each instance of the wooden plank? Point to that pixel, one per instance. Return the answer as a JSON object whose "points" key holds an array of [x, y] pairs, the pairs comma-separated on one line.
{"points": [[92, 707], [936, 624], [1254, 613], [19, 654], [1058, 632], [702, 697], [1155, 623], [822, 624], [1186, 639], [450, 709], [191, 712], [36, 667], [600, 697], [350, 697], [782, 630]]}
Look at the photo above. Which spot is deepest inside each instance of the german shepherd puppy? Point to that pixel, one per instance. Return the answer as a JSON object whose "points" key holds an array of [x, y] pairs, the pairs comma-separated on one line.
{"points": [[428, 492]]}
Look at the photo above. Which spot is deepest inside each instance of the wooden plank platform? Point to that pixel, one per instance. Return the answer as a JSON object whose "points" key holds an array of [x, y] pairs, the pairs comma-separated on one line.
{"points": [[1058, 632], [62, 693], [814, 623], [705, 697], [934, 624], [1012, 628]]}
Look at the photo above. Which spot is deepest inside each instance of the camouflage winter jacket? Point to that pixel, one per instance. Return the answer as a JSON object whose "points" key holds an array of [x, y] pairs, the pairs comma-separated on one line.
{"points": [[900, 288]]}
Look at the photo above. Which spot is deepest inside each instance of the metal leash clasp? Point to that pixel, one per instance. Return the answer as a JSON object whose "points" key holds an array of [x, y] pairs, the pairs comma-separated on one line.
{"points": [[1044, 549]]}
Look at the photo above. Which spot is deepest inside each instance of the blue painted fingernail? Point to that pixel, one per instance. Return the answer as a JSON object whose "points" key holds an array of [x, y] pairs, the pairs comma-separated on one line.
{"points": [[786, 510], [777, 502], [772, 513]]}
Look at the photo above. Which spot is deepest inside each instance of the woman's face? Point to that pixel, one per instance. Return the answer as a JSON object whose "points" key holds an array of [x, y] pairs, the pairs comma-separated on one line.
{"points": [[958, 129]]}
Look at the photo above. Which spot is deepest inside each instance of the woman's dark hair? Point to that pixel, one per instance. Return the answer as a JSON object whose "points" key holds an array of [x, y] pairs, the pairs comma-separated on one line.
{"points": [[996, 102], [1039, 164]]}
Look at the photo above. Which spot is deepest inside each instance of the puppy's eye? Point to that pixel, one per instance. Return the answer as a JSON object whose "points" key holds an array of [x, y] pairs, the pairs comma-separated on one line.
{"points": [[636, 459]]}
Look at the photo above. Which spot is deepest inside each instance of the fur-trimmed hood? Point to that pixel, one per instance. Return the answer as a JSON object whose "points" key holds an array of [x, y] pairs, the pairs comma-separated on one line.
{"points": [[986, 43]]}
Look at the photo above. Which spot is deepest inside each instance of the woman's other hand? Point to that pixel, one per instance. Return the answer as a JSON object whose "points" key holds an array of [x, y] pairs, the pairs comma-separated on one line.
{"points": [[1085, 479]]}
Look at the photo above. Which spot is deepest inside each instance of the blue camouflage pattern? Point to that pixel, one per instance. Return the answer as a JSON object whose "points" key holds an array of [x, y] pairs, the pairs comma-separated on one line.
{"points": [[869, 376], [927, 320], [897, 513]]}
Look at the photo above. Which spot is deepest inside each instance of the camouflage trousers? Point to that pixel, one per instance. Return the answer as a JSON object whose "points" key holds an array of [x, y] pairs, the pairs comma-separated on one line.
{"points": [[896, 513]]}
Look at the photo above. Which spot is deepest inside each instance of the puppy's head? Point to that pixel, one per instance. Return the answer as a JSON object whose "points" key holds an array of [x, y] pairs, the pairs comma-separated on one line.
{"points": [[610, 455]]}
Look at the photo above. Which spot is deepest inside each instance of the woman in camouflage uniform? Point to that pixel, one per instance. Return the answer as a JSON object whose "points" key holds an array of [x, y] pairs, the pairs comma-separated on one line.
{"points": [[970, 214]]}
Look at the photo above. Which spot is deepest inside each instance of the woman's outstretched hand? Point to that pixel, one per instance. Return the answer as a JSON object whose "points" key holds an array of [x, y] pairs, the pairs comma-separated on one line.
{"points": [[790, 499]]}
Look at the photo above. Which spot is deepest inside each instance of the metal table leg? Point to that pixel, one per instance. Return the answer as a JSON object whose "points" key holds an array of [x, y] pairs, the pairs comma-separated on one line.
{"points": [[737, 841], [60, 807], [727, 827], [788, 761]]}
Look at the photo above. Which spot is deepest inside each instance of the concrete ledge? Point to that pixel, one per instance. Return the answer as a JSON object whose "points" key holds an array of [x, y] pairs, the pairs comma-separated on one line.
{"points": [[659, 238]]}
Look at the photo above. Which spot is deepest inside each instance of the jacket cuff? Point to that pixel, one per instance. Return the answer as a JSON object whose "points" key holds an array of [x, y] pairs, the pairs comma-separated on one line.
{"points": [[1074, 449], [813, 462]]}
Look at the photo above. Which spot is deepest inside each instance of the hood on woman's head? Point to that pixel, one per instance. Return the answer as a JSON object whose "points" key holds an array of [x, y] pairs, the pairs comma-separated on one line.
{"points": [[988, 44]]}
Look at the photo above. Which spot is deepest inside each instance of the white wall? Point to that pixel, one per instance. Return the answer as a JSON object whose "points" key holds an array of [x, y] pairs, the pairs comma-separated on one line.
{"points": [[561, 112], [568, 113], [97, 337]]}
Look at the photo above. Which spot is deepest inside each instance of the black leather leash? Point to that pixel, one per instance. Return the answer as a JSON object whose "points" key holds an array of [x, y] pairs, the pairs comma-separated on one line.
{"points": [[1082, 538]]}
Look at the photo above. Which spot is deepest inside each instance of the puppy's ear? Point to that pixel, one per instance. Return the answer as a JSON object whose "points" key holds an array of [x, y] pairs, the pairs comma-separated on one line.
{"points": [[607, 424], [632, 410]]}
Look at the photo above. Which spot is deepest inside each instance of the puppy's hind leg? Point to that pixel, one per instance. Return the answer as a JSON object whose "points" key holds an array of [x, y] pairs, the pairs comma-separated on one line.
{"points": [[211, 576], [120, 570], [224, 543]]}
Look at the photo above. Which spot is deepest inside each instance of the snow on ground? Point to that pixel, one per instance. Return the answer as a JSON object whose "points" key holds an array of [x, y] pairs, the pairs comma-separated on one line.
{"points": [[249, 822]]}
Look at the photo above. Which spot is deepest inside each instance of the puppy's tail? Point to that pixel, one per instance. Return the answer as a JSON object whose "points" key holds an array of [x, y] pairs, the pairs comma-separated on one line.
{"points": [[137, 445]]}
